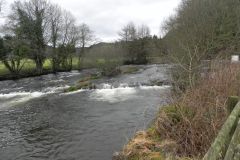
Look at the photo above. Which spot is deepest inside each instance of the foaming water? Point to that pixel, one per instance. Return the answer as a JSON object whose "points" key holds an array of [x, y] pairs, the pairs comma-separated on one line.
{"points": [[13, 98], [154, 87], [113, 95], [20, 94], [122, 93], [74, 92]]}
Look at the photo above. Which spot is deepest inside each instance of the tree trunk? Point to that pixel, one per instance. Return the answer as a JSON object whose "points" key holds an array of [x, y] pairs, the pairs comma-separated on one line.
{"points": [[54, 64], [39, 66], [10, 67], [55, 61], [80, 58], [55, 58]]}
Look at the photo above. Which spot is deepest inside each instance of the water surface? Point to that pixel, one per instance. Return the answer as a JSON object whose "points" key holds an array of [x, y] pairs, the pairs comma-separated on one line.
{"points": [[40, 122]]}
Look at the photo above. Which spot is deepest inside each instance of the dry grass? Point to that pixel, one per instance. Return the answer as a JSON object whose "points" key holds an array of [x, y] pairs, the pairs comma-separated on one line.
{"points": [[194, 121], [141, 147], [147, 145]]}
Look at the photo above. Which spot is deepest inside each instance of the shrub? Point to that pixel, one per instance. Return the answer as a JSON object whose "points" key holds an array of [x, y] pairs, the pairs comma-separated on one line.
{"points": [[195, 119], [108, 67]]}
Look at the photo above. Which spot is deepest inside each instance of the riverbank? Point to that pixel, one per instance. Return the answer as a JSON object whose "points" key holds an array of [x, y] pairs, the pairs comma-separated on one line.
{"points": [[29, 70], [31, 73], [187, 127]]}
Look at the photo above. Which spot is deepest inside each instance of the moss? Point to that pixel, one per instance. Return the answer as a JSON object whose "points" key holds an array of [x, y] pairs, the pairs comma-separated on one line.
{"points": [[81, 85], [231, 103], [71, 89]]}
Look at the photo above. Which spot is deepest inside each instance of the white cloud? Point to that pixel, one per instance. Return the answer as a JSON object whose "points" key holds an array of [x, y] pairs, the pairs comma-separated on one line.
{"points": [[106, 17]]}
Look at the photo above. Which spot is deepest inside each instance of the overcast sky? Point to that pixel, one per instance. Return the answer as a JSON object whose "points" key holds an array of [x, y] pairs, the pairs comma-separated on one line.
{"points": [[106, 17]]}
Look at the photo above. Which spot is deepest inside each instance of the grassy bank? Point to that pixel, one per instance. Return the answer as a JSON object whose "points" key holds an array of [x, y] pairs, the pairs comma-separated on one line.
{"points": [[109, 65], [29, 65], [29, 68], [186, 128]]}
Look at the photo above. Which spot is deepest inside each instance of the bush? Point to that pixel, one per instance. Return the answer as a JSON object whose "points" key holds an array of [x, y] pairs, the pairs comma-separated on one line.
{"points": [[195, 119], [108, 67]]}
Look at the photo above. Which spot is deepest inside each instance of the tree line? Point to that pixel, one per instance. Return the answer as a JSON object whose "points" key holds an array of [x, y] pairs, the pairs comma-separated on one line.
{"points": [[139, 44], [38, 30]]}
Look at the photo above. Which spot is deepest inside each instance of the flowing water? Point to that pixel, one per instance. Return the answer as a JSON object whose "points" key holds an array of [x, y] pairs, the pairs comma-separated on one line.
{"points": [[38, 121]]}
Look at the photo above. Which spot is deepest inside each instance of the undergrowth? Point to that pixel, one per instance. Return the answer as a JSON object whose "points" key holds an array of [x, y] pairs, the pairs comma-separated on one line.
{"points": [[188, 126], [194, 120]]}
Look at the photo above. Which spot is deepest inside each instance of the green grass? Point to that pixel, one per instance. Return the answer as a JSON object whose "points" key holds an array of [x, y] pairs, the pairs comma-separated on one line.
{"points": [[88, 62], [47, 64], [30, 66], [3, 69]]}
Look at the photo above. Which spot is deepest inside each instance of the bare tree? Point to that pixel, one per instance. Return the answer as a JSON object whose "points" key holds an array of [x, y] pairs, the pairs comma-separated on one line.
{"points": [[55, 19], [67, 23], [68, 40], [135, 41], [86, 37], [143, 31], [128, 32]]}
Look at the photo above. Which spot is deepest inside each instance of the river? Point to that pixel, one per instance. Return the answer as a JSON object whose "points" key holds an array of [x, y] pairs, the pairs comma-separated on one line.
{"points": [[38, 121]]}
